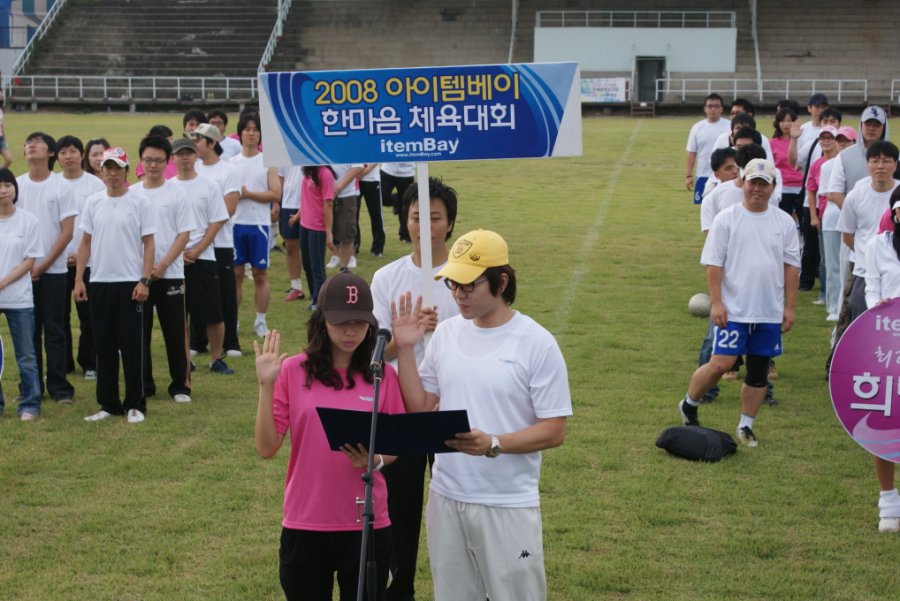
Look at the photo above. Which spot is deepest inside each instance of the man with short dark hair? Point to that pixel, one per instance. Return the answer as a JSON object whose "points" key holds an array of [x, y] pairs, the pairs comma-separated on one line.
{"points": [[752, 256], [45, 195], [230, 146], [483, 516], [700, 144]]}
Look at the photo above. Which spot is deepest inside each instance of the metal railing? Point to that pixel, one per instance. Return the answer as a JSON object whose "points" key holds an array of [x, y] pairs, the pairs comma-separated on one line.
{"points": [[284, 7], [132, 90], [837, 90], [680, 19], [39, 34]]}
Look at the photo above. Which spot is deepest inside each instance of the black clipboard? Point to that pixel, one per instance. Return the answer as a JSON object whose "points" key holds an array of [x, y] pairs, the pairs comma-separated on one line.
{"points": [[398, 434]]}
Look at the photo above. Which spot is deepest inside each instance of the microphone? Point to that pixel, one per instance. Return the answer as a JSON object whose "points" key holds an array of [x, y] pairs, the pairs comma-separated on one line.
{"points": [[381, 340]]}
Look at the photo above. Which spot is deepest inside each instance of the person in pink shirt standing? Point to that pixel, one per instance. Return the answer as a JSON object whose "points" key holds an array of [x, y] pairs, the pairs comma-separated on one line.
{"points": [[317, 191], [321, 532]]}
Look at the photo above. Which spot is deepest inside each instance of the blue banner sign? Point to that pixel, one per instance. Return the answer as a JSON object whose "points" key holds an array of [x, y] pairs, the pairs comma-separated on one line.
{"points": [[421, 114]]}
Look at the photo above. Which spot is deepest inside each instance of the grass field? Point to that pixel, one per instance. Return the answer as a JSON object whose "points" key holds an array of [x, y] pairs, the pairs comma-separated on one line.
{"points": [[606, 247]]}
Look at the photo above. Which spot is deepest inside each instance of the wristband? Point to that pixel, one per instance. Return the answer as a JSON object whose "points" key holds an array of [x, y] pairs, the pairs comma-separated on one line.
{"points": [[380, 465], [689, 175], [145, 281]]}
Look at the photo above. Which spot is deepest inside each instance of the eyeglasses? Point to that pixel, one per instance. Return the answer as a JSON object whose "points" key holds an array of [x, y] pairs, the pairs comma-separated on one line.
{"points": [[467, 288], [881, 161], [153, 161]]}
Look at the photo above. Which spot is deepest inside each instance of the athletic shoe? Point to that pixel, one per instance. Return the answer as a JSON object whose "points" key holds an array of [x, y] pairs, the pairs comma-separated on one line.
{"points": [[377, 254], [311, 307], [707, 398], [90, 374], [333, 263], [888, 513], [688, 413], [293, 295], [234, 353], [730, 375], [770, 401], [352, 263], [832, 317], [134, 416], [261, 328], [747, 437], [182, 398], [889, 525], [193, 353], [220, 367], [773, 373], [66, 400], [28, 416], [819, 301], [99, 416]]}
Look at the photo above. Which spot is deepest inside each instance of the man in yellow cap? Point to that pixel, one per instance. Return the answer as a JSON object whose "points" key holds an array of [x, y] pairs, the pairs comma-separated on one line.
{"points": [[483, 516]]}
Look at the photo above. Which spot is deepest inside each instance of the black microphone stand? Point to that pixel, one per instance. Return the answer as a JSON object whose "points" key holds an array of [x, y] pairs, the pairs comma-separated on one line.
{"points": [[367, 569]]}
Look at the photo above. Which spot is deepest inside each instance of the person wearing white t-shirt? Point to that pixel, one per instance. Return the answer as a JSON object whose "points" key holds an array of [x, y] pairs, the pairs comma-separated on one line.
{"points": [[174, 223], [861, 212], [45, 195], [291, 178], [230, 146], [483, 517], [406, 476], [210, 165], [201, 270], [19, 248], [752, 258], [700, 144], [345, 214], [260, 195], [118, 240], [70, 153], [395, 179]]}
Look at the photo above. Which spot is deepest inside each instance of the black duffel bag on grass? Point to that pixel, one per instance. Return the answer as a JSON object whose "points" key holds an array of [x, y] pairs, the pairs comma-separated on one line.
{"points": [[696, 443]]}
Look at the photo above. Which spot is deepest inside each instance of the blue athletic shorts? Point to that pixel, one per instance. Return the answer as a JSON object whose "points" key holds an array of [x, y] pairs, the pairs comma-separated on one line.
{"points": [[699, 186], [762, 339], [251, 245]]}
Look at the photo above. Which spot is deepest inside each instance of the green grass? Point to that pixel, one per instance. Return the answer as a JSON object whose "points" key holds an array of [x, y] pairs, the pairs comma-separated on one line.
{"points": [[606, 246]]}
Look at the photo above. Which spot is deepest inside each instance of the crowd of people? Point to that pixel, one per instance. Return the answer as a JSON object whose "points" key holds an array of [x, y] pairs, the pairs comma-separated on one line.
{"points": [[174, 246], [820, 203]]}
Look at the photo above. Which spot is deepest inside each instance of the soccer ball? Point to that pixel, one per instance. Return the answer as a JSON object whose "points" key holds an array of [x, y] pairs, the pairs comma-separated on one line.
{"points": [[699, 305]]}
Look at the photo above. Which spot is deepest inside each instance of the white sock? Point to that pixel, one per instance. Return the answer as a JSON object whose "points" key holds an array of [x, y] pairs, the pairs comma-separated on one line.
{"points": [[889, 504], [260, 318], [297, 284], [746, 420], [690, 401]]}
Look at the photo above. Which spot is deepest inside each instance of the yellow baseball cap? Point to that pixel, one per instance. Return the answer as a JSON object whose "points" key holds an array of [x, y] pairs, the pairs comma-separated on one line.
{"points": [[472, 253]]}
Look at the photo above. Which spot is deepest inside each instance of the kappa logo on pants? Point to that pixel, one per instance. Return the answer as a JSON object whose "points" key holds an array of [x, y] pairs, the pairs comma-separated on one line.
{"points": [[524, 554]]}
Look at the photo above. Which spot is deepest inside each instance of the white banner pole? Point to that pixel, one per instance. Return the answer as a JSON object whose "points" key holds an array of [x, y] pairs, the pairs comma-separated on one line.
{"points": [[425, 234]]}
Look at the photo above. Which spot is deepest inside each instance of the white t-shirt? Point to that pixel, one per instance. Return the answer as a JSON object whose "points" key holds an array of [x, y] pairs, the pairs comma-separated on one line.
{"points": [[82, 187], [860, 216], [371, 176], [51, 201], [18, 241], [172, 215], [399, 169], [720, 199], [832, 211], [230, 148], [291, 190], [702, 140], [206, 206], [226, 177], [352, 188], [507, 378], [400, 276], [117, 225], [752, 250], [837, 181], [255, 177], [882, 270], [805, 144]]}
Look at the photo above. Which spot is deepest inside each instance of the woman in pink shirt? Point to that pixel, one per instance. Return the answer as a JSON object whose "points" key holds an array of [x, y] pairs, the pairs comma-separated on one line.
{"points": [[791, 178], [321, 534], [315, 216]]}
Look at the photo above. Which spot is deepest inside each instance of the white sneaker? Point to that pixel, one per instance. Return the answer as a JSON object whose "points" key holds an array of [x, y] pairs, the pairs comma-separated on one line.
{"points": [[832, 317], [333, 263], [181, 398], [99, 416], [234, 353], [261, 328], [135, 416], [90, 374], [193, 353], [889, 525], [352, 263], [27, 416]]}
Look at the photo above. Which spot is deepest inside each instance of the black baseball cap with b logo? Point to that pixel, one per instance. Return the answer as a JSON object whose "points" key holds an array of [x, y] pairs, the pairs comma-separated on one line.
{"points": [[346, 297]]}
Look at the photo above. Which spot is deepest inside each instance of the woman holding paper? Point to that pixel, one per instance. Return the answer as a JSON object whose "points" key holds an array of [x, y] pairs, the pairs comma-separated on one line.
{"points": [[321, 531], [883, 284]]}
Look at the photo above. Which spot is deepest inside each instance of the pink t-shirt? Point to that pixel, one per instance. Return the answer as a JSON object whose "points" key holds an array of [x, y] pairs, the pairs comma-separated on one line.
{"points": [[169, 172], [322, 485], [791, 177], [312, 213], [812, 185], [887, 223]]}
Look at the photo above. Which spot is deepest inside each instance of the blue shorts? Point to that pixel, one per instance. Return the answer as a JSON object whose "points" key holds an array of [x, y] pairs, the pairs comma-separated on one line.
{"points": [[251, 245], [762, 339], [288, 231], [699, 186]]}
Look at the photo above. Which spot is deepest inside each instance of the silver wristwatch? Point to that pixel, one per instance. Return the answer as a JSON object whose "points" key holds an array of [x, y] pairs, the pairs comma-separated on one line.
{"points": [[495, 449]]}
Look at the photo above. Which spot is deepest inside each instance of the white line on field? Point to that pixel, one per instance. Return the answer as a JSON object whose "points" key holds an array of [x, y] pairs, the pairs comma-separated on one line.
{"points": [[586, 254]]}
